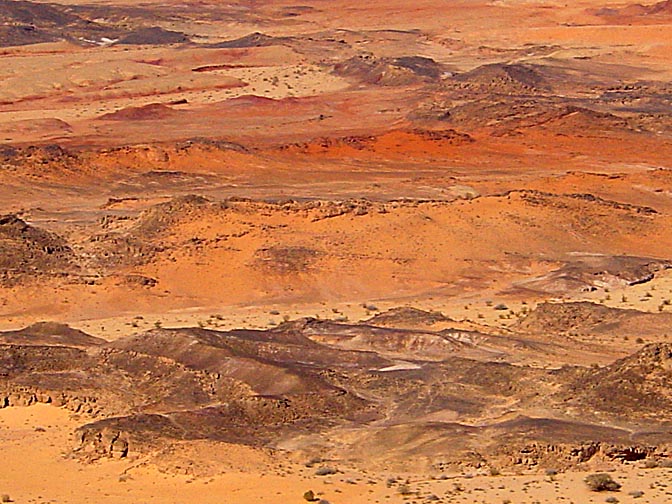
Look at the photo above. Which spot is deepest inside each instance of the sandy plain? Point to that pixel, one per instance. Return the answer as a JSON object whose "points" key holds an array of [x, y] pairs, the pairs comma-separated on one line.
{"points": [[40, 432]]}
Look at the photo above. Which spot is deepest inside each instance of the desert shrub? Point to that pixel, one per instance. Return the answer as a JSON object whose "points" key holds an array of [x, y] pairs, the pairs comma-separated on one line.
{"points": [[601, 482], [649, 463], [404, 489], [325, 471], [313, 461]]}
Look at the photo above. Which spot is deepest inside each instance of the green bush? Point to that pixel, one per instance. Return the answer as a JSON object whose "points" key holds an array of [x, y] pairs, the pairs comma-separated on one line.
{"points": [[601, 482]]}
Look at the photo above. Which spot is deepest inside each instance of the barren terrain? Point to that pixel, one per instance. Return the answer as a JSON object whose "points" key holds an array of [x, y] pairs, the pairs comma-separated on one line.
{"points": [[385, 252]]}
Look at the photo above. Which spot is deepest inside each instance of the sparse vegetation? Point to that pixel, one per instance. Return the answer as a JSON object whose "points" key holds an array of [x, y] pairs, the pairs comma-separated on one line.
{"points": [[649, 463], [325, 471], [404, 489], [551, 474], [601, 482], [313, 461]]}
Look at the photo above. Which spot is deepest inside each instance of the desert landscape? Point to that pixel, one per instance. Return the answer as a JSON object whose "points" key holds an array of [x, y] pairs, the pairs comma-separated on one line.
{"points": [[336, 252]]}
